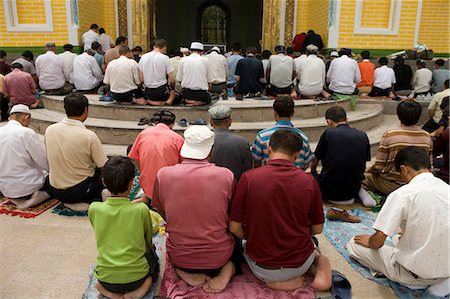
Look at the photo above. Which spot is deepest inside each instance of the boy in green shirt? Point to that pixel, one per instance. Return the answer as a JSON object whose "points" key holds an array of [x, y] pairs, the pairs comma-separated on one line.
{"points": [[126, 263]]}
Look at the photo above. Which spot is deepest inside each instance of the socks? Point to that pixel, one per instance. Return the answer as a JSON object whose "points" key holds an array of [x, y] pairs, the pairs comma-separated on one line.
{"points": [[366, 199]]}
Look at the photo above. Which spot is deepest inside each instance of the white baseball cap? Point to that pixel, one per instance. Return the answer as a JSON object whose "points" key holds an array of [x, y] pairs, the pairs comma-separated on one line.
{"points": [[334, 54], [215, 49], [198, 142], [20, 108], [197, 46]]}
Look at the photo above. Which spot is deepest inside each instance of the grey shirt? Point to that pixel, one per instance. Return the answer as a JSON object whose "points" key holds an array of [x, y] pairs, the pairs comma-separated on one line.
{"points": [[231, 151], [439, 77], [27, 66]]}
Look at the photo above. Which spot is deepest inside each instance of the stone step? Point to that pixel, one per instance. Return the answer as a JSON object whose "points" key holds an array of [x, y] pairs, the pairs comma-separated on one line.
{"points": [[125, 132], [249, 110]]}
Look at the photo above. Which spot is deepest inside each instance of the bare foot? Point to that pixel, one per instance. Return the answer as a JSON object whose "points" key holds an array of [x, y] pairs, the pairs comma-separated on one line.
{"points": [[322, 278], [78, 207], [220, 282], [192, 279], [107, 293], [140, 101], [288, 285], [192, 103], [155, 103], [139, 292]]}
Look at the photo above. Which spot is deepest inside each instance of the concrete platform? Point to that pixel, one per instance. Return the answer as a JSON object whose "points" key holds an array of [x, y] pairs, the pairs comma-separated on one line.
{"points": [[248, 110]]}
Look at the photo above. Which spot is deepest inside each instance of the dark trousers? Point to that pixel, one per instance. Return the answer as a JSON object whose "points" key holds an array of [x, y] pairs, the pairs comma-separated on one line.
{"points": [[87, 191], [196, 95], [379, 92], [218, 87], [93, 90], [153, 271], [274, 90], [238, 90], [159, 94], [430, 126], [66, 89], [3, 107], [127, 96]]}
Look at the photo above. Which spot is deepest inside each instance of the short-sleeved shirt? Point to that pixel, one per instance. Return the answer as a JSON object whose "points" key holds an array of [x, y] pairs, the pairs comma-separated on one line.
{"points": [[155, 66], [99, 58], [421, 209], [422, 80], [123, 75], [310, 75], [73, 153], [88, 38], [231, 151], [194, 72], [195, 196], [20, 87], [27, 65], [155, 148], [51, 70], [441, 146], [392, 142], [250, 70], [367, 70], [123, 232], [384, 77], [403, 77], [343, 75], [261, 144], [436, 102], [343, 151], [232, 62], [281, 69], [278, 204], [439, 77], [219, 67], [106, 41]]}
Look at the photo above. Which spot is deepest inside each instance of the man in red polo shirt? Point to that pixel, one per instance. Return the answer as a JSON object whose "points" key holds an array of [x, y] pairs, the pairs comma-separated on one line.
{"points": [[277, 209], [20, 87]]}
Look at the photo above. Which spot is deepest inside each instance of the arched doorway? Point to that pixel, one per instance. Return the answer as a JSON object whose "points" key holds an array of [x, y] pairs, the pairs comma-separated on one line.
{"points": [[213, 22]]}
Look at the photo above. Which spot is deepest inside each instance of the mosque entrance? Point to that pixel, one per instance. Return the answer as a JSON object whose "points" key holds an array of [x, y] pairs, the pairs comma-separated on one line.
{"points": [[220, 22]]}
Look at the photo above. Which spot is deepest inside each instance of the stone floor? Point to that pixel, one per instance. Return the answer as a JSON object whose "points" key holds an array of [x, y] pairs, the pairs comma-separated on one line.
{"points": [[49, 257]]}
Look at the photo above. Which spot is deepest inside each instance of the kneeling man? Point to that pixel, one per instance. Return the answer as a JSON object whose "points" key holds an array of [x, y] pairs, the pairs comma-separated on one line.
{"points": [[22, 160], [194, 198], [278, 208], [417, 216]]}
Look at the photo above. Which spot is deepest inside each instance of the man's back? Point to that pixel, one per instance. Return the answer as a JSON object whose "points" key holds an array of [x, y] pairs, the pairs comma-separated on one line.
{"points": [[29, 67], [105, 40], [232, 62], [155, 66], [250, 70], [421, 210], [219, 67], [20, 87], [278, 204], [68, 62], [122, 74], [50, 71], [403, 76], [439, 77], [86, 72], [195, 196], [343, 75], [311, 73], [367, 70], [281, 70], [155, 148], [231, 151], [22, 160], [422, 80], [343, 151], [73, 153], [194, 72]]}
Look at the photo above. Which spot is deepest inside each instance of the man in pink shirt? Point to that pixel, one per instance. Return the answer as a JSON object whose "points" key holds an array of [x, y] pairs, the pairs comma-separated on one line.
{"points": [[20, 87], [194, 198], [155, 148]]}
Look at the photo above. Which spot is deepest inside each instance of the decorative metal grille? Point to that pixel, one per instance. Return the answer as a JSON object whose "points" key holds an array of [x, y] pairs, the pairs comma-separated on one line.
{"points": [[214, 25]]}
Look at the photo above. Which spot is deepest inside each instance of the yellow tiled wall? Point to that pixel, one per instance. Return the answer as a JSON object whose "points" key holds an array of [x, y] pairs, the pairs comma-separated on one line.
{"points": [[376, 13], [404, 40], [435, 25], [30, 11], [16, 39], [100, 12], [313, 14]]}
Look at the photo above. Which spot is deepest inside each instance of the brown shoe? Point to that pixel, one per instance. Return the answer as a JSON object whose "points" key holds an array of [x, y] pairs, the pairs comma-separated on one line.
{"points": [[343, 215]]}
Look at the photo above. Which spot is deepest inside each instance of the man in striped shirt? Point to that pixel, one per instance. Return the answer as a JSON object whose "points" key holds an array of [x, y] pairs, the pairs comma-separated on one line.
{"points": [[284, 110], [382, 176]]}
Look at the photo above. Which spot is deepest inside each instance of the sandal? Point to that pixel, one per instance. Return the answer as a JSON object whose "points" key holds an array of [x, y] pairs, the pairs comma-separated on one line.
{"points": [[198, 122], [143, 121], [183, 123], [336, 215]]}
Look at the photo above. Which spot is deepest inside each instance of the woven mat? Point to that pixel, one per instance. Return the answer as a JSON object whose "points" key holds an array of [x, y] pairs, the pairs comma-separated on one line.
{"points": [[7, 207], [339, 234]]}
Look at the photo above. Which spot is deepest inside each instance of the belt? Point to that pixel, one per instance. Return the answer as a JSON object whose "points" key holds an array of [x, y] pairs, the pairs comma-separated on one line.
{"points": [[267, 267]]}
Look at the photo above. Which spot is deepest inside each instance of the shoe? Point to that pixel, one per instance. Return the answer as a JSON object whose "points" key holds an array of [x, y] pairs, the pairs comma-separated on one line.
{"points": [[224, 97], [334, 215], [183, 123], [239, 97], [106, 99], [340, 286], [143, 121], [198, 122]]}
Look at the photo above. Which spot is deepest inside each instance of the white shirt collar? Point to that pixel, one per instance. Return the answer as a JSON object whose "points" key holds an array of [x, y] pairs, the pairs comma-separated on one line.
{"points": [[421, 176], [74, 122]]}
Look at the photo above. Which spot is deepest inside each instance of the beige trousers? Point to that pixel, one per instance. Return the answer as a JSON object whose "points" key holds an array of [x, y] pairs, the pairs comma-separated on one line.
{"points": [[382, 260], [375, 182]]}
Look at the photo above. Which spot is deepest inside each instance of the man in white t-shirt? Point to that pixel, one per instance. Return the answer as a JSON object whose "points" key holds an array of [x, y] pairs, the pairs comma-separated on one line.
{"points": [[195, 76], [68, 57], [280, 72], [343, 74], [89, 37], [384, 80], [311, 74], [87, 74], [219, 68], [417, 216], [422, 79], [52, 72], [122, 74], [105, 40], [23, 161], [157, 75]]}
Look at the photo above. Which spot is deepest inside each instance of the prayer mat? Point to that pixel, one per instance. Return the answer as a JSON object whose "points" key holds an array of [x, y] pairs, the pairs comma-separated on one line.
{"points": [[160, 243], [245, 286], [339, 234], [7, 207]]}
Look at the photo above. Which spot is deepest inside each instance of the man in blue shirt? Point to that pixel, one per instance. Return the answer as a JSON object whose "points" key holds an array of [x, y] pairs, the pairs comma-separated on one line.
{"points": [[232, 62]]}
